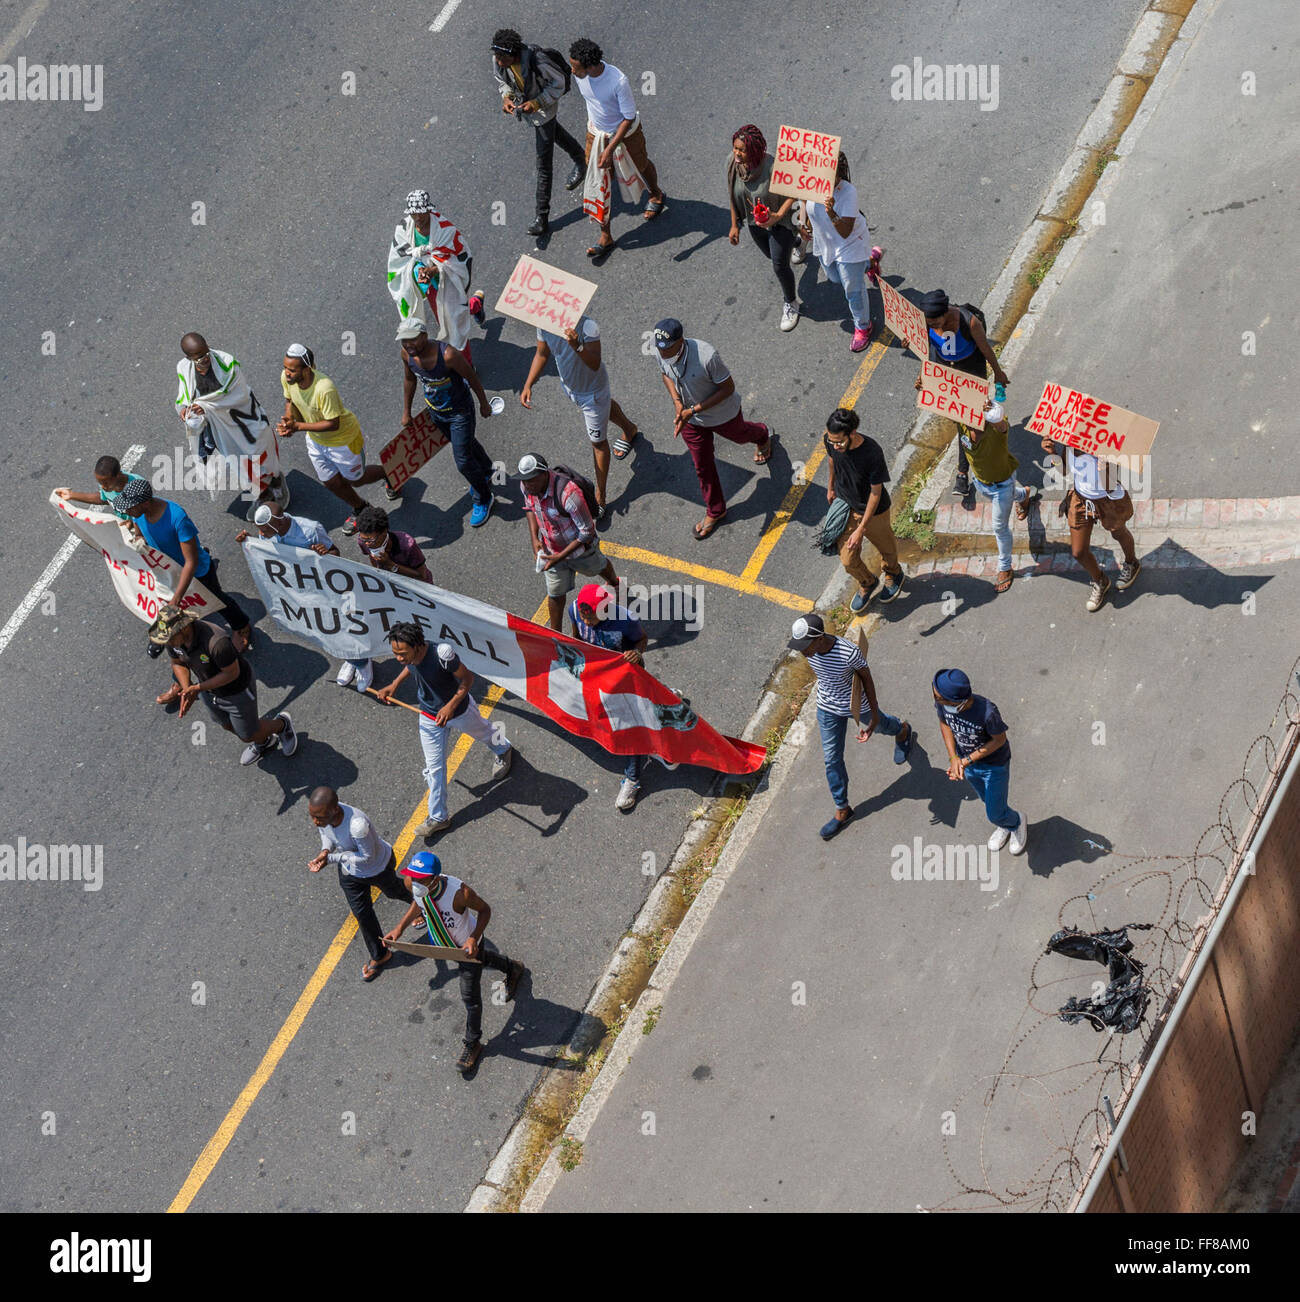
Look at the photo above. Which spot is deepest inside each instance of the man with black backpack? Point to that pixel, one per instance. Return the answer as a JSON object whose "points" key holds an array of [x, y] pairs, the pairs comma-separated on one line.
{"points": [[561, 504], [957, 339], [531, 79]]}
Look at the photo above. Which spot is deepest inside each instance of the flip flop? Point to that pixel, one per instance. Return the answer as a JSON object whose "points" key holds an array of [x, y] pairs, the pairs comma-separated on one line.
{"points": [[372, 968], [1003, 579], [655, 207], [1022, 508], [599, 252], [623, 444], [761, 458], [712, 522]]}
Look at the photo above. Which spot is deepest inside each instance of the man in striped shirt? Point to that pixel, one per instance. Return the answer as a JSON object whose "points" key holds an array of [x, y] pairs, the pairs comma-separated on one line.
{"points": [[837, 662]]}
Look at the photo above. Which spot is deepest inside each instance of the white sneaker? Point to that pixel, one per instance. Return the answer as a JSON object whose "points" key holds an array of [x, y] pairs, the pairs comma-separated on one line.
{"points": [[627, 795], [365, 676], [799, 254], [789, 316], [1020, 837], [999, 838], [288, 739], [346, 674], [501, 765]]}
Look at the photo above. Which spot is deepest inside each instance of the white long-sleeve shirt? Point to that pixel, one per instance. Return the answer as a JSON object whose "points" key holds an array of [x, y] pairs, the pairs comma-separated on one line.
{"points": [[354, 845]]}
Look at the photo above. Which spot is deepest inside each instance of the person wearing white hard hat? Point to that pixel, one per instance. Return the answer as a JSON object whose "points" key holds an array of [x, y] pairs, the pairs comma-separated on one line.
{"points": [[993, 475], [275, 524]]}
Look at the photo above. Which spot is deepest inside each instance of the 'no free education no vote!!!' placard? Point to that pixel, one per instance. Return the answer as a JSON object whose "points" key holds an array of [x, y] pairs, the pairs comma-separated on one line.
{"points": [[805, 164], [544, 296], [1080, 421], [955, 394]]}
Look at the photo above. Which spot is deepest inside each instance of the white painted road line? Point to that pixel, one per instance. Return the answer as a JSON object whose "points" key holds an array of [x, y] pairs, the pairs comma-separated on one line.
{"points": [[42, 585], [445, 16]]}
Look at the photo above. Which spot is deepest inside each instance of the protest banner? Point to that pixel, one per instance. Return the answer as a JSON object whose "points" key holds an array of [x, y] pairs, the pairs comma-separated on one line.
{"points": [[144, 579], [1079, 421], [544, 296], [804, 164], [447, 952], [905, 319], [415, 443], [345, 609], [955, 394]]}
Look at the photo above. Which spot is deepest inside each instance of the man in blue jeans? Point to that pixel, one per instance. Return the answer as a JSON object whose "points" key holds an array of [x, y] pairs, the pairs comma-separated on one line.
{"points": [[978, 750], [837, 662]]}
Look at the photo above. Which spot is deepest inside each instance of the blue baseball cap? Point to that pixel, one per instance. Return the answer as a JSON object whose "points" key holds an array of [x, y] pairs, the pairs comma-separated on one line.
{"points": [[424, 865], [668, 331], [952, 685]]}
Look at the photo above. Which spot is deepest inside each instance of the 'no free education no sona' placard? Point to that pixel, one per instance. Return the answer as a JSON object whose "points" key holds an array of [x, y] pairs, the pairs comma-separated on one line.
{"points": [[805, 164]]}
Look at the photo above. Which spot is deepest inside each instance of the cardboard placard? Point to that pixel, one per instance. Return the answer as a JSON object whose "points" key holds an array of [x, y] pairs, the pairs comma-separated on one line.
{"points": [[1079, 421], [431, 951], [413, 446], [804, 164], [905, 319], [955, 394], [544, 296]]}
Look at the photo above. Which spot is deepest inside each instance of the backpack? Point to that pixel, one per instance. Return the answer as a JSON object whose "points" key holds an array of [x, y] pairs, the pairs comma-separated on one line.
{"points": [[588, 488], [555, 57], [970, 310]]}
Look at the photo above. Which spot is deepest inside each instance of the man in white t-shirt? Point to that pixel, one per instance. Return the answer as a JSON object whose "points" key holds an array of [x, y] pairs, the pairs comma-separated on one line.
{"points": [[1096, 495], [611, 111], [585, 382]]}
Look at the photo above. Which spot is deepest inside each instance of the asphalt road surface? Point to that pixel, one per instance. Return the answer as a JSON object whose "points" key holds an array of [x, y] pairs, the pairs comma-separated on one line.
{"points": [[118, 1069]]}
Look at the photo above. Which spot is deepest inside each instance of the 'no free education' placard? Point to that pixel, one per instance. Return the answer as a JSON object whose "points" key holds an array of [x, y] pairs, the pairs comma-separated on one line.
{"points": [[544, 296], [805, 164], [955, 394], [1080, 421]]}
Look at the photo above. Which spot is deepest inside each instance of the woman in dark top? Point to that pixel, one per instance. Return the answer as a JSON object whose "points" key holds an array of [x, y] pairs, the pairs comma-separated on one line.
{"points": [[769, 216]]}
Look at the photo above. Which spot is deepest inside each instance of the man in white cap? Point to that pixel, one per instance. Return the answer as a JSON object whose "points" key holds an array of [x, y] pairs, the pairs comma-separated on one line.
{"points": [[562, 530], [276, 525], [429, 271], [335, 444], [222, 414], [837, 662]]}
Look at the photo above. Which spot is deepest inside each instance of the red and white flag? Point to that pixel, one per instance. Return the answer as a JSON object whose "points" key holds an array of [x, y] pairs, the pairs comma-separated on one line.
{"points": [[346, 609]]}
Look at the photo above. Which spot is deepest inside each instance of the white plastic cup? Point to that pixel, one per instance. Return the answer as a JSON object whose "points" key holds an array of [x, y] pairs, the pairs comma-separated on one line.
{"points": [[497, 404], [542, 558]]}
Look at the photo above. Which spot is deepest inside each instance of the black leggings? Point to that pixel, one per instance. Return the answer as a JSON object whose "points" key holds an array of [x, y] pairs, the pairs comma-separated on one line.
{"points": [[233, 612], [777, 243]]}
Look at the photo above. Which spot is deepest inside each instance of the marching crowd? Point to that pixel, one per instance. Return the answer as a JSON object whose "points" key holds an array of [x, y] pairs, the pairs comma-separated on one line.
{"points": [[430, 279]]}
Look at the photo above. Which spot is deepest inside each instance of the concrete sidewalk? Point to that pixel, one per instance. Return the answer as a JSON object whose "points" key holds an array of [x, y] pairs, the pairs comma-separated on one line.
{"points": [[831, 1038]]}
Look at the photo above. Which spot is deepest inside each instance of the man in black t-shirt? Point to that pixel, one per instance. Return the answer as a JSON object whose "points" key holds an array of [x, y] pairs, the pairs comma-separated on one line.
{"points": [[204, 660], [858, 478]]}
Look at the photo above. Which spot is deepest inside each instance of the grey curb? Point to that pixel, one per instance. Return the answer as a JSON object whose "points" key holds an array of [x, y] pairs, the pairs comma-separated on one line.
{"points": [[1139, 60]]}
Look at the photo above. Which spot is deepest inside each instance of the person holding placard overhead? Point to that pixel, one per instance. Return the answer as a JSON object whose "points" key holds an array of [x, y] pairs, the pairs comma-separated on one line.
{"points": [[768, 217], [839, 242]]}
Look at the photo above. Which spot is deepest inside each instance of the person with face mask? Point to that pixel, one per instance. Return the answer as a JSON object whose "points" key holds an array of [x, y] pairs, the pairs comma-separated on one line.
{"points": [[979, 752]]}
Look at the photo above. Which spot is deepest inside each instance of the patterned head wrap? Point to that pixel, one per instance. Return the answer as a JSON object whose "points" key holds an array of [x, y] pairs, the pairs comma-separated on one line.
{"points": [[418, 201]]}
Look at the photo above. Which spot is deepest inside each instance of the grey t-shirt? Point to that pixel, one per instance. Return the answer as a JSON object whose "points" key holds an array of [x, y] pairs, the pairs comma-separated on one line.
{"points": [[575, 375], [698, 371]]}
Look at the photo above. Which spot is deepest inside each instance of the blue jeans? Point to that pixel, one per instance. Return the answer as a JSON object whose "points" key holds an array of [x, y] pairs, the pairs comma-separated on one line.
{"points": [[1002, 496], [472, 459], [851, 277], [834, 728], [991, 783], [632, 770]]}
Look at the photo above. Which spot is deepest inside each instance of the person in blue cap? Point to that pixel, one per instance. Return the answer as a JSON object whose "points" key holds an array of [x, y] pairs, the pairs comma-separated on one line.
{"points": [[978, 750], [837, 662], [457, 918]]}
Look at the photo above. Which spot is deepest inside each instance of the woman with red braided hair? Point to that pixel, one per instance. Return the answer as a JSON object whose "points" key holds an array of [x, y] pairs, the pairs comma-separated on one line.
{"points": [[769, 217]]}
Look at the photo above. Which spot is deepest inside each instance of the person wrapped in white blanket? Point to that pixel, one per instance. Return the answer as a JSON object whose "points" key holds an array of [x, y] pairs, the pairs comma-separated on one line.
{"points": [[222, 415], [429, 269]]}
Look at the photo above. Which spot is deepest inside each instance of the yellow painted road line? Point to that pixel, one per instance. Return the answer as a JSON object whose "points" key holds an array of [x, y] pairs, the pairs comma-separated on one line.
{"points": [[219, 1142], [772, 534], [720, 577]]}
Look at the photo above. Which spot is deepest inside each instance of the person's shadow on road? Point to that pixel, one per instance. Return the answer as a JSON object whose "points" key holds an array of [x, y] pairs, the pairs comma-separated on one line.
{"points": [[1056, 842], [554, 797], [918, 779], [313, 764]]}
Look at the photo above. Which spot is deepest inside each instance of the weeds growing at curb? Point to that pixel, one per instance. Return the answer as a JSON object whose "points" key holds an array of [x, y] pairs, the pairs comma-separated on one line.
{"points": [[1103, 162], [570, 1152], [651, 1019], [909, 523], [1038, 272]]}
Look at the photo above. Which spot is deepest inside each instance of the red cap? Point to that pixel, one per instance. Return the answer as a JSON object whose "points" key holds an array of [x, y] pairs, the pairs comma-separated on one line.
{"points": [[593, 595]]}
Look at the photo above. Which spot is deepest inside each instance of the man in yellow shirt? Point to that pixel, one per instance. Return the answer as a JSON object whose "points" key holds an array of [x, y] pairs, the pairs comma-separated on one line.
{"points": [[334, 441]]}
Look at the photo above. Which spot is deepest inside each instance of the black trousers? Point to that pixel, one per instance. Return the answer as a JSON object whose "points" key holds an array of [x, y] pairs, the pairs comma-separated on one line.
{"points": [[545, 138], [233, 611], [471, 987], [357, 890], [777, 243]]}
